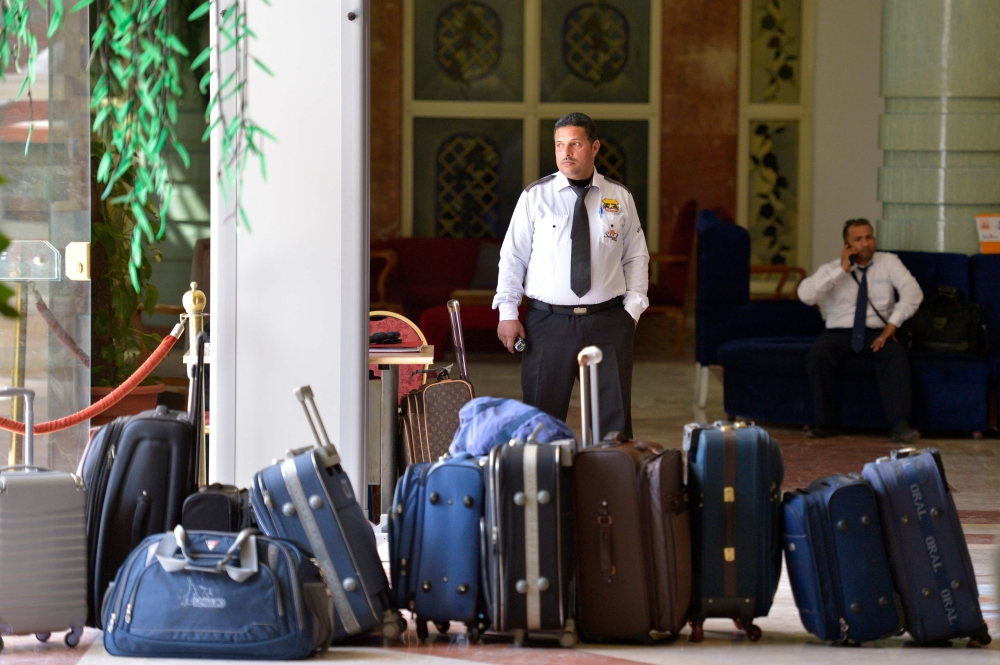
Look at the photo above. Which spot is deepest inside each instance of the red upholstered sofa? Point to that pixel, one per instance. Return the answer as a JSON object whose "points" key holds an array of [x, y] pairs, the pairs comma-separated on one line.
{"points": [[428, 271]]}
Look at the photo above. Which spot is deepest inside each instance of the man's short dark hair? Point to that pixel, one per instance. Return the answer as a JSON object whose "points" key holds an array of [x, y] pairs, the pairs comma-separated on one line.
{"points": [[578, 120], [860, 221]]}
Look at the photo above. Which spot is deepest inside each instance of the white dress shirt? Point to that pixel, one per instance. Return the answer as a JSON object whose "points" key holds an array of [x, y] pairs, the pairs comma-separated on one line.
{"points": [[536, 252], [886, 275]]}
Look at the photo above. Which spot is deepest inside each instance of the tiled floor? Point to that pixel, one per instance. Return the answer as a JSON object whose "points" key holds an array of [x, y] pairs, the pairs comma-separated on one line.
{"points": [[662, 394]]}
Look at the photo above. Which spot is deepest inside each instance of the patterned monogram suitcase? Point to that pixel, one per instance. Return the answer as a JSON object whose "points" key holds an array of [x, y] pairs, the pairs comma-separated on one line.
{"points": [[430, 414]]}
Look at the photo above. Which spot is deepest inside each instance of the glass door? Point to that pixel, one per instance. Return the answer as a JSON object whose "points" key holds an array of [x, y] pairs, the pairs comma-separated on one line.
{"points": [[44, 207]]}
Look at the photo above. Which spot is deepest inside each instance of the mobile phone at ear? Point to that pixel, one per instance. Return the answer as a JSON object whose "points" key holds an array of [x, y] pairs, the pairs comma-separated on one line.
{"points": [[850, 257]]}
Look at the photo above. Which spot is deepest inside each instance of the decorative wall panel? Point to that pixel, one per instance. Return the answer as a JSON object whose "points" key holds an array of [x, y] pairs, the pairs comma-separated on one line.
{"points": [[468, 50], [775, 48], [774, 192], [595, 51], [467, 176]]}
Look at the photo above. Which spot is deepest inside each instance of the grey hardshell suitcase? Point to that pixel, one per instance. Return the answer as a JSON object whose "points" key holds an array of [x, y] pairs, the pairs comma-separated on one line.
{"points": [[528, 533], [43, 545], [308, 499]]}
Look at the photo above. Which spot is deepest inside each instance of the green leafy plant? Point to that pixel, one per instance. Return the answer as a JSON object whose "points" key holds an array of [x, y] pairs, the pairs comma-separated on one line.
{"points": [[242, 138], [137, 57], [118, 343]]}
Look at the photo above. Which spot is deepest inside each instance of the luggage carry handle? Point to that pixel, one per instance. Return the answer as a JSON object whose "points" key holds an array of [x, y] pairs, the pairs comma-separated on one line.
{"points": [[245, 544], [196, 409], [590, 357], [455, 315], [326, 449], [29, 421]]}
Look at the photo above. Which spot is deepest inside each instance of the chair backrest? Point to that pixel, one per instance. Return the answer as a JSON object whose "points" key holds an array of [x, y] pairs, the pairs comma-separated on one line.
{"points": [[934, 269], [985, 278], [671, 287], [723, 261]]}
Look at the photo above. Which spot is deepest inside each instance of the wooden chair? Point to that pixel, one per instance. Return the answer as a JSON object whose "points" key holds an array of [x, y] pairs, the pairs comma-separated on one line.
{"points": [[667, 295], [785, 272], [382, 263]]}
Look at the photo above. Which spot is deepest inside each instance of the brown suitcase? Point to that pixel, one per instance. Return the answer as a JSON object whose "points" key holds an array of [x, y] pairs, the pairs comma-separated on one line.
{"points": [[633, 536], [429, 417]]}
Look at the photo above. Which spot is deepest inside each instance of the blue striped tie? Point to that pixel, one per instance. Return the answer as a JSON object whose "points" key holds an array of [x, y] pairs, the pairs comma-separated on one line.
{"points": [[860, 314]]}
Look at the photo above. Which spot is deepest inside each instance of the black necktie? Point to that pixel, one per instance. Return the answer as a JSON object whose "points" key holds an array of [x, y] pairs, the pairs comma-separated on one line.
{"points": [[860, 314], [579, 270]]}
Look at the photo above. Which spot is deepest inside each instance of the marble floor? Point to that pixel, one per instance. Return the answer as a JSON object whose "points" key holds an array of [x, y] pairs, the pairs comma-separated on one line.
{"points": [[662, 405]]}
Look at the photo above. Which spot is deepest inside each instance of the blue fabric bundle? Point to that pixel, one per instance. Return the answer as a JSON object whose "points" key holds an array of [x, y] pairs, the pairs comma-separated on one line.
{"points": [[486, 422]]}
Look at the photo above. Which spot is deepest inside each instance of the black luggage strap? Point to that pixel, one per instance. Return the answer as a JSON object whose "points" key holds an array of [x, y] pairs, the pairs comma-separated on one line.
{"points": [[729, 513], [906, 481], [604, 523]]}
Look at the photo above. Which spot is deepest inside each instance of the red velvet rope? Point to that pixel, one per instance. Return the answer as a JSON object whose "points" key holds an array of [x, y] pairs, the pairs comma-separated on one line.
{"points": [[116, 396]]}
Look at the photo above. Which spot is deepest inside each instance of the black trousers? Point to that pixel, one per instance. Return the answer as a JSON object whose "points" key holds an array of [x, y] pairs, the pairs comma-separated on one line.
{"points": [[549, 367], [893, 373]]}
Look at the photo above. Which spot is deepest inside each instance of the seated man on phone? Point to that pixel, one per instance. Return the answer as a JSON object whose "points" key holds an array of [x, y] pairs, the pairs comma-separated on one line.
{"points": [[862, 315]]}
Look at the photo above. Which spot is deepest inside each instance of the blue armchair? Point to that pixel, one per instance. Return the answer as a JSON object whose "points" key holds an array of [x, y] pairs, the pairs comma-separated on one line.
{"points": [[724, 311]]}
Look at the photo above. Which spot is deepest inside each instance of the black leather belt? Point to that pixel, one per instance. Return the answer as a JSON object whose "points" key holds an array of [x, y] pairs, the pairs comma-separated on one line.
{"points": [[579, 310]]}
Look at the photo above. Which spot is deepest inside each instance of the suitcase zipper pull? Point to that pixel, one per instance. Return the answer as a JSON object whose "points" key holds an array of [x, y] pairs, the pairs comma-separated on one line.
{"points": [[128, 613], [111, 623]]}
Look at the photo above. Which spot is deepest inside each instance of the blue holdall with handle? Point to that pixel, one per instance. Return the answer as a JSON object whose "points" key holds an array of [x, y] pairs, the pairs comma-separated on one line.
{"points": [[486, 422], [203, 594], [837, 562], [434, 544], [928, 553]]}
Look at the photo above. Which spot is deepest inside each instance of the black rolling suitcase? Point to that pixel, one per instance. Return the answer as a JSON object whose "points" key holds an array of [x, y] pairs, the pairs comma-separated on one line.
{"points": [[528, 532], [138, 471]]}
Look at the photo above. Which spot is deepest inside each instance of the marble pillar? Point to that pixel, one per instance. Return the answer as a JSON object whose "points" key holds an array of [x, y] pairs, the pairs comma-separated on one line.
{"points": [[941, 129]]}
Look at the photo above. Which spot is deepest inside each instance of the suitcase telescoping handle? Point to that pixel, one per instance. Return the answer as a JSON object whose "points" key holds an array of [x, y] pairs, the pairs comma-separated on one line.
{"points": [[326, 448], [29, 421], [590, 409], [456, 335]]}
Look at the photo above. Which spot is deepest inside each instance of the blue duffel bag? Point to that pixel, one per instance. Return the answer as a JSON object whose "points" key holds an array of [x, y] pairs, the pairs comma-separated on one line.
{"points": [[203, 594], [486, 422]]}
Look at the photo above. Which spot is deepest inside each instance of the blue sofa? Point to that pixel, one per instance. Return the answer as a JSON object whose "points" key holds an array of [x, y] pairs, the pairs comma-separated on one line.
{"points": [[766, 379]]}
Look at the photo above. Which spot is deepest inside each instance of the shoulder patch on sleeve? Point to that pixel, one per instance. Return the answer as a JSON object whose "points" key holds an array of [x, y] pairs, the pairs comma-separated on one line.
{"points": [[615, 182], [540, 181]]}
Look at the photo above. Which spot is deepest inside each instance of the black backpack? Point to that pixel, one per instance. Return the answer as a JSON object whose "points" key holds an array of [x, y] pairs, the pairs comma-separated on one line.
{"points": [[944, 323]]}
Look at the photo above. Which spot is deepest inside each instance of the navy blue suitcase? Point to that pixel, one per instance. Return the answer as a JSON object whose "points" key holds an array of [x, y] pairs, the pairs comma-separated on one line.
{"points": [[927, 549], [308, 499], [837, 563], [434, 544], [734, 480]]}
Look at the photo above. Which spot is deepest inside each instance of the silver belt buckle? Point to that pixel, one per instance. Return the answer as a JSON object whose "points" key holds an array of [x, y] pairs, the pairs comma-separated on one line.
{"points": [[579, 310]]}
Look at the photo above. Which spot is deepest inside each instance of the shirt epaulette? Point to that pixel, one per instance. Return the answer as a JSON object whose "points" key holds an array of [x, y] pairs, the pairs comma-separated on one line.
{"points": [[615, 182], [540, 181]]}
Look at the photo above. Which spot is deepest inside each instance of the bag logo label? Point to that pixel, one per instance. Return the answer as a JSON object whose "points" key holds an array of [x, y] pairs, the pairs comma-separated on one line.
{"points": [[212, 544], [203, 599], [918, 502]]}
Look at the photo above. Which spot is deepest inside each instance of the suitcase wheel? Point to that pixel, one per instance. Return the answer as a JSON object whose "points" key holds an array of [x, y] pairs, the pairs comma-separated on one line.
{"points": [[472, 632], [43, 637], [567, 639], [442, 626], [753, 632], [73, 637], [421, 630], [981, 638], [519, 638], [697, 632]]}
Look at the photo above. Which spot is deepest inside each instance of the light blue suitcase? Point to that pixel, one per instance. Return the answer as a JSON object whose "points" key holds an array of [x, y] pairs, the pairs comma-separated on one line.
{"points": [[308, 499]]}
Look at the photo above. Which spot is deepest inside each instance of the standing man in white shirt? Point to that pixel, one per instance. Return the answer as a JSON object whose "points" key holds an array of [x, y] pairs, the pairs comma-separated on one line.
{"points": [[576, 249], [862, 316]]}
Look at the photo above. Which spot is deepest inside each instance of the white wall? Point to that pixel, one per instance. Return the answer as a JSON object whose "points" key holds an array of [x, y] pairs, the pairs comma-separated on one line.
{"points": [[279, 320], [846, 110]]}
